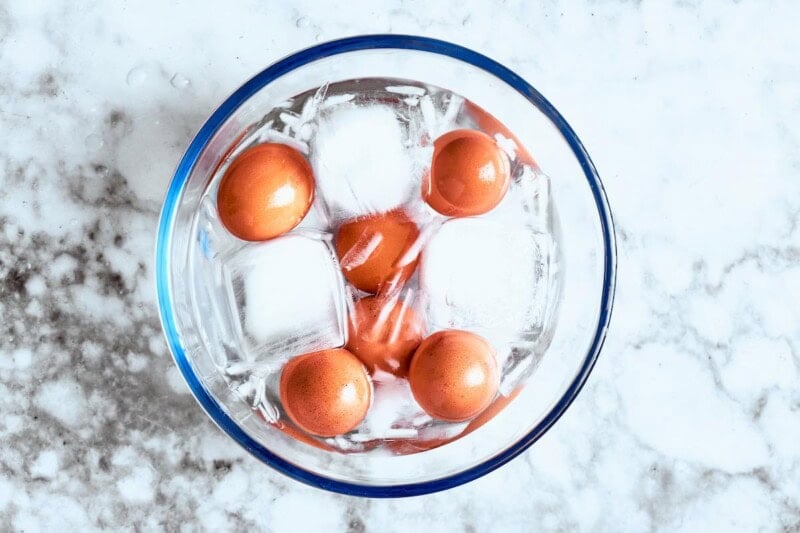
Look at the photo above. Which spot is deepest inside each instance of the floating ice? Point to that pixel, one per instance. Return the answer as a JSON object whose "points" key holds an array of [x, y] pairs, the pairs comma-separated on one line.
{"points": [[360, 163], [439, 114], [288, 296], [207, 285], [527, 202], [392, 404], [487, 277], [409, 90], [336, 99]]}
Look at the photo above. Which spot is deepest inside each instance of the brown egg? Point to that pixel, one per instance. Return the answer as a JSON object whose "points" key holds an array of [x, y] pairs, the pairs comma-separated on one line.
{"points": [[469, 174], [492, 126], [454, 375], [372, 250], [326, 393], [384, 333], [265, 192]]}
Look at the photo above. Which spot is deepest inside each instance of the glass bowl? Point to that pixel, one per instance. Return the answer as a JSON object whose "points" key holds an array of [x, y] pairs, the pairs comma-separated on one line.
{"points": [[588, 255]]}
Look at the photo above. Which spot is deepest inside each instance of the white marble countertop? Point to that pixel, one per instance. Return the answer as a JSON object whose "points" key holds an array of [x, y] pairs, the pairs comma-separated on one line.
{"points": [[691, 419]]}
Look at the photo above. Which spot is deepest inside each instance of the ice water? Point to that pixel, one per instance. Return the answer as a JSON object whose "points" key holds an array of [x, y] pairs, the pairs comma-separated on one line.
{"points": [[369, 141]]}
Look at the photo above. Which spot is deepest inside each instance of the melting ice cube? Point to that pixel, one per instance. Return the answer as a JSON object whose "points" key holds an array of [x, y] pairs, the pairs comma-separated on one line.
{"points": [[288, 297], [359, 160], [487, 277]]}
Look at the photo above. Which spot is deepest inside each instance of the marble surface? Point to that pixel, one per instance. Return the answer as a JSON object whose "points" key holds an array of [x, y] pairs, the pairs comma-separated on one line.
{"points": [[691, 419]]}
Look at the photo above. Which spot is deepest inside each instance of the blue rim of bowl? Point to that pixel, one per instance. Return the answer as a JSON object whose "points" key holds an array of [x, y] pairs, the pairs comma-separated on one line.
{"points": [[352, 44]]}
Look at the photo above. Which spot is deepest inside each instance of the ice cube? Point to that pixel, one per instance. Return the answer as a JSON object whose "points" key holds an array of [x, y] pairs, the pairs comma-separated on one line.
{"points": [[487, 277], [213, 239], [315, 220], [527, 201], [409, 90], [394, 415], [439, 112], [360, 163], [390, 415], [521, 361], [207, 285], [287, 297]]}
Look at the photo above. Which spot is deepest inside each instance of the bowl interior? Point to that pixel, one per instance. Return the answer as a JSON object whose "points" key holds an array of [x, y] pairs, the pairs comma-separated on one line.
{"points": [[587, 259]]}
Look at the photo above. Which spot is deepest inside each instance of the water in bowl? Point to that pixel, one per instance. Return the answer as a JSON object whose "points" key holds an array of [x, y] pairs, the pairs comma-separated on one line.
{"points": [[370, 144]]}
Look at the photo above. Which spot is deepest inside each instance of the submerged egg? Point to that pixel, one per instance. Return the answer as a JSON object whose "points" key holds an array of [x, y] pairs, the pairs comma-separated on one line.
{"points": [[384, 333], [488, 123], [265, 192], [326, 393], [373, 250], [469, 174], [454, 375]]}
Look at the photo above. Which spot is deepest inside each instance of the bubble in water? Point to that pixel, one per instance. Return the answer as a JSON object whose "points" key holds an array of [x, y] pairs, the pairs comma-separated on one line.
{"points": [[94, 142], [302, 22], [179, 81], [136, 76]]}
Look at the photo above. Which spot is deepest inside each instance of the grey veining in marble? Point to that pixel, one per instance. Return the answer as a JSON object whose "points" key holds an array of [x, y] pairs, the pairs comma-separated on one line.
{"points": [[691, 419]]}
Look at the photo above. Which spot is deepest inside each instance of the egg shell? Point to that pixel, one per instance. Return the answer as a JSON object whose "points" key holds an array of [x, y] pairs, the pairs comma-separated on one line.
{"points": [[370, 247], [265, 192], [326, 393], [454, 375], [489, 124], [383, 333], [469, 174]]}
